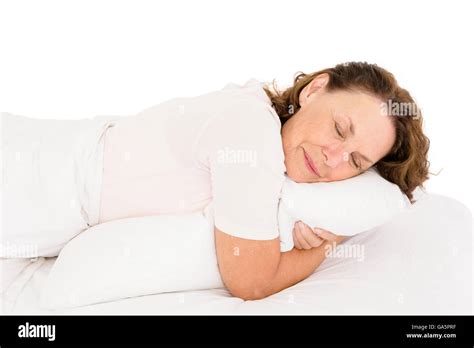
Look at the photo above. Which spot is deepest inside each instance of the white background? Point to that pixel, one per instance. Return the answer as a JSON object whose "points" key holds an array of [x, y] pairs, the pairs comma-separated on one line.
{"points": [[75, 59]]}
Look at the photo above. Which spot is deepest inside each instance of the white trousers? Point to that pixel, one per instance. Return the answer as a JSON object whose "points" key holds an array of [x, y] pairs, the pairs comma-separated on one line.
{"points": [[51, 182]]}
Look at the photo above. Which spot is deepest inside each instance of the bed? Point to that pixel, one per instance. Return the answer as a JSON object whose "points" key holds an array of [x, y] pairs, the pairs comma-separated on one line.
{"points": [[418, 263]]}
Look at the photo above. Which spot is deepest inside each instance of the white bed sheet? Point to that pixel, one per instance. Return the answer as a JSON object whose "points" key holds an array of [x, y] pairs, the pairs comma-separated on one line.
{"points": [[406, 270]]}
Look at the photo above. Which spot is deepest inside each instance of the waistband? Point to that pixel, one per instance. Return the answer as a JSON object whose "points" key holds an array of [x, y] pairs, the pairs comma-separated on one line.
{"points": [[89, 159]]}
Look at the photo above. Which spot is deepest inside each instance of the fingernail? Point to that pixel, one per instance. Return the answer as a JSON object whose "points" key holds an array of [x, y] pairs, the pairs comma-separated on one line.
{"points": [[300, 225], [317, 231]]}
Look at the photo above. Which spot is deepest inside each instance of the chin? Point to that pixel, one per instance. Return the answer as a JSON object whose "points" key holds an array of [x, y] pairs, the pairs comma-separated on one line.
{"points": [[295, 174]]}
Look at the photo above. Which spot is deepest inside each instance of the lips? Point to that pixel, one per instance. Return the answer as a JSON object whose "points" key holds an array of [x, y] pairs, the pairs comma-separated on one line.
{"points": [[310, 164]]}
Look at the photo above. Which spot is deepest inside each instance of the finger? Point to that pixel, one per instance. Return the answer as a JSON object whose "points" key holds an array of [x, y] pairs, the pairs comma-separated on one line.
{"points": [[326, 234], [295, 240], [310, 237], [300, 238], [301, 241]]}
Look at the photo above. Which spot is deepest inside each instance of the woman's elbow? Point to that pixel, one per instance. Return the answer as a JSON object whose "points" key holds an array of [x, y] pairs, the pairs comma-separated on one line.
{"points": [[247, 273], [249, 292], [250, 286]]}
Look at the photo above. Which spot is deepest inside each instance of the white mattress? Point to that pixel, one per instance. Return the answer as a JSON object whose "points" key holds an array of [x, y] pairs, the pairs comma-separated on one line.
{"points": [[418, 264]]}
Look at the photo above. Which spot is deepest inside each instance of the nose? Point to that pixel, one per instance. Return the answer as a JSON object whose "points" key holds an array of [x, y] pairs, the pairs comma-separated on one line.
{"points": [[334, 154]]}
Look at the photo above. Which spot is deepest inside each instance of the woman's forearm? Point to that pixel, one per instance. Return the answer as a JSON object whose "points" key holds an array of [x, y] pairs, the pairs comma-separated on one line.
{"points": [[295, 266]]}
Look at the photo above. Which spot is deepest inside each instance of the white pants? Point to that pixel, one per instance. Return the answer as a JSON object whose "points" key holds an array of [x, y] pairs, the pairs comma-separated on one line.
{"points": [[51, 182]]}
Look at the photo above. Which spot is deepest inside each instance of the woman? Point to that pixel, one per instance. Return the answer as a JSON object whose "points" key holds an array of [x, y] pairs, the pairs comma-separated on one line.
{"points": [[235, 146]]}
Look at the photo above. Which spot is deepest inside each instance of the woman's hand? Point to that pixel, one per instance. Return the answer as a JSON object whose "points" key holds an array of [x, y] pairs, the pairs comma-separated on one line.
{"points": [[305, 237]]}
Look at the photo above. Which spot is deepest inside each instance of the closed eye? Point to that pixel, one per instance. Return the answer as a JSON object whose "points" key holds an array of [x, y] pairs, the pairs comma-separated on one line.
{"points": [[357, 165], [338, 131]]}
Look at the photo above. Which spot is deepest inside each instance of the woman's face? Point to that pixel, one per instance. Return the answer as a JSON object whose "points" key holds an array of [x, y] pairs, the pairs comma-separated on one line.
{"points": [[311, 134]]}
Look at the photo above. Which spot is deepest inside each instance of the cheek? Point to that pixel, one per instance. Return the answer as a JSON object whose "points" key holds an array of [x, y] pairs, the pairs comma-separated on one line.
{"points": [[318, 134], [314, 131]]}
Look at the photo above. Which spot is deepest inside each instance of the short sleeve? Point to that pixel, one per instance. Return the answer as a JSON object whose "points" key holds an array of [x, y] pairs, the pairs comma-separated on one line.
{"points": [[247, 169]]}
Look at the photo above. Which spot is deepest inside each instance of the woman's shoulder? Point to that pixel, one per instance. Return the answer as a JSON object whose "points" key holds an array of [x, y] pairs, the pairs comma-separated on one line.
{"points": [[242, 118], [249, 102], [250, 83]]}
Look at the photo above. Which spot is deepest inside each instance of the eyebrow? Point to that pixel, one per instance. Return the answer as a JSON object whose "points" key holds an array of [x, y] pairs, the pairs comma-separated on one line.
{"points": [[352, 130]]}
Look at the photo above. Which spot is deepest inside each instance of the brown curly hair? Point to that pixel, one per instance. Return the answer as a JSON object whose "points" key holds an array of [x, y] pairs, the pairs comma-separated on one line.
{"points": [[406, 164]]}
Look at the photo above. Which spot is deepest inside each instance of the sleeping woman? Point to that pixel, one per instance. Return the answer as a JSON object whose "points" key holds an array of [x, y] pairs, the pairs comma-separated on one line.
{"points": [[234, 147]]}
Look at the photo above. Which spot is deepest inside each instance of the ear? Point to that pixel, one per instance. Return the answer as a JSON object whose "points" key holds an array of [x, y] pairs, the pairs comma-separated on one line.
{"points": [[316, 85]]}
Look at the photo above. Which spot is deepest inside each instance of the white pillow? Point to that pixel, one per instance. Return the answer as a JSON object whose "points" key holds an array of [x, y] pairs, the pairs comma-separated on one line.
{"points": [[154, 254], [345, 207], [134, 257]]}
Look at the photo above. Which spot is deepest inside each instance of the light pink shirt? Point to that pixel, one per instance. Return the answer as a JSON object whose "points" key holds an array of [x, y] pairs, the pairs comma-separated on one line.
{"points": [[178, 156]]}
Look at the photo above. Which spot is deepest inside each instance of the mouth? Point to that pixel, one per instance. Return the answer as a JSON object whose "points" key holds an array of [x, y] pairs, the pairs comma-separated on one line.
{"points": [[310, 164]]}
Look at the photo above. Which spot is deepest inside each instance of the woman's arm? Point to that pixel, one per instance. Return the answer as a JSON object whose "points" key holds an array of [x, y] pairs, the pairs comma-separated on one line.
{"points": [[254, 269], [295, 266]]}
